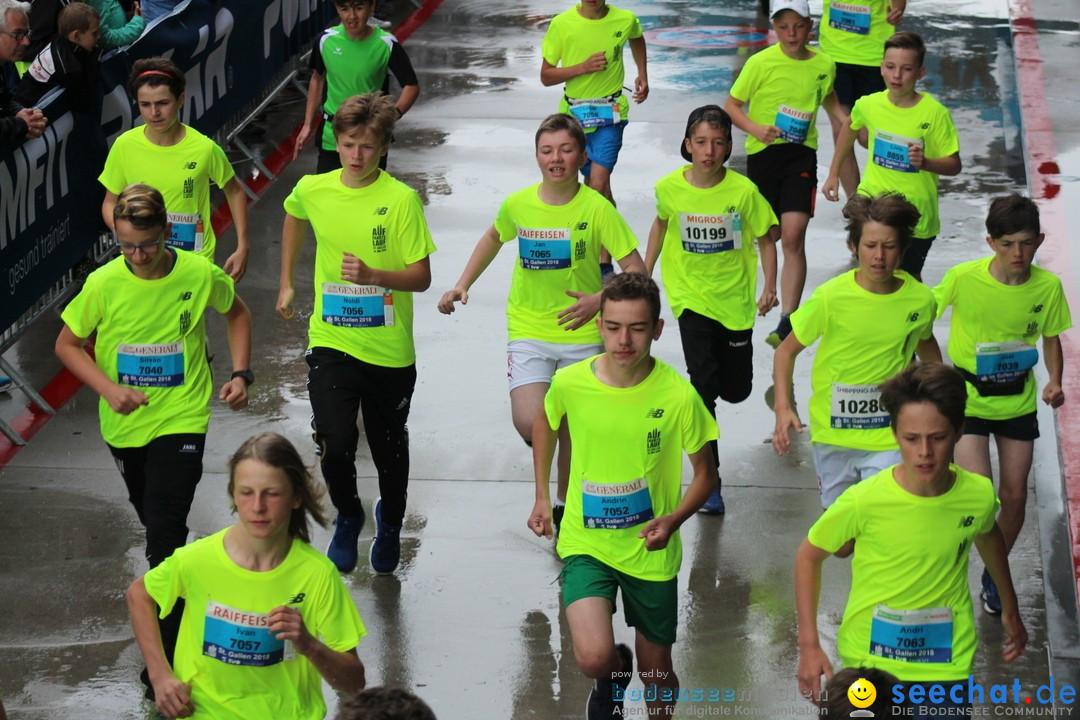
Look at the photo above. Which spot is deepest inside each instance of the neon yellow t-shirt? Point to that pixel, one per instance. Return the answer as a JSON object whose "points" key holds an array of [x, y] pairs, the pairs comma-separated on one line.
{"points": [[571, 39], [891, 130], [237, 669], [626, 467], [909, 610], [181, 172], [786, 93], [854, 31], [151, 336], [1002, 342], [866, 338], [709, 258], [558, 249], [382, 224]]}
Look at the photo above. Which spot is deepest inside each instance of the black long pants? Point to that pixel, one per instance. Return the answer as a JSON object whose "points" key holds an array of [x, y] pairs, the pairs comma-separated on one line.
{"points": [[341, 388]]}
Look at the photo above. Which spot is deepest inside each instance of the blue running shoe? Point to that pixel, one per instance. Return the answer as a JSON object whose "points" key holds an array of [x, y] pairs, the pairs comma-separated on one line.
{"points": [[989, 595], [6, 383], [342, 549], [606, 698], [782, 331], [715, 504], [386, 547]]}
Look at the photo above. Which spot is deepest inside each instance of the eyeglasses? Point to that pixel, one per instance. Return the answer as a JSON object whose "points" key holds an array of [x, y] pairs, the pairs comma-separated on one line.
{"points": [[150, 248], [19, 35]]}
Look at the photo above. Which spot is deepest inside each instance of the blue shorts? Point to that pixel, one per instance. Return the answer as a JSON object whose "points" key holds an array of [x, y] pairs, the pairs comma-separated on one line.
{"points": [[603, 146]]}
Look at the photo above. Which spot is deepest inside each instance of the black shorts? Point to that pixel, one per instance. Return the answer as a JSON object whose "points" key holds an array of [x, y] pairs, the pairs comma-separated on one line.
{"points": [[915, 256], [786, 174], [1024, 427], [854, 81]]}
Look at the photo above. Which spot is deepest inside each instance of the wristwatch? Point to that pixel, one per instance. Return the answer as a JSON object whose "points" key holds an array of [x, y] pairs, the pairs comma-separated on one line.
{"points": [[247, 375]]}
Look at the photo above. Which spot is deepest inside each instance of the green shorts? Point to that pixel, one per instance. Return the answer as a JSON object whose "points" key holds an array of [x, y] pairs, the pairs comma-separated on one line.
{"points": [[651, 607]]}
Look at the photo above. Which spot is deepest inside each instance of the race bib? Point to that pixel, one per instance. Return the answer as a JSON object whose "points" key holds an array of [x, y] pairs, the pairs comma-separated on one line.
{"points": [[187, 231], [924, 636], [237, 637], [616, 506], [857, 407], [793, 124], [155, 365], [1005, 361], [357, 306], [706, 234], [596, 112], [891, 151], [849, 18], [544, 249]]}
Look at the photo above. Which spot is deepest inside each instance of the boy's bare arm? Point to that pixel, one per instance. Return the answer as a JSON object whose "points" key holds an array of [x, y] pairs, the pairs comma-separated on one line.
{"points": [[641, 82], [1053, 395], [764, 133], [553, 75], [813, 662], [991, 547]]}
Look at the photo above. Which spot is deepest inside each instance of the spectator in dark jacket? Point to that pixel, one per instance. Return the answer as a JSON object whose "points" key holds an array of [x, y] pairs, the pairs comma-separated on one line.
{"points": [[70, 61], [16, 122]]}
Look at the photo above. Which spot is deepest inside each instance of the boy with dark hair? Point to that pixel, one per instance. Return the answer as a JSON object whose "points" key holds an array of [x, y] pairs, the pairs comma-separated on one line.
{"points": [[847, 694], [909, 608], [709, 270], [912, 142], [870, 321], [560, 227], [372, 253], [995, 352], [785, 85], [352, 59], [631, 417], [384, 703], [70, 61]]}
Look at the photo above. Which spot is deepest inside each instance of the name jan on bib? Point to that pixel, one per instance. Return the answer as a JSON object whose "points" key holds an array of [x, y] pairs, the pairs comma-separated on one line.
{"points": [[239, 637], [891, 151], [150, 365], [544, 248], [857, 407], [707, 234], [924, 636], [794, 125], [358, 306], [613, 506], [187, 231], [850, 18], [1004, 361]]}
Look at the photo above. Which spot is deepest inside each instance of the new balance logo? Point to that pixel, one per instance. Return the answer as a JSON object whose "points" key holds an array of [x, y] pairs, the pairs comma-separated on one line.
{"points": [[582, 226], [191, 165], [966, 520], [296, 599], [1036, 308], [185, 296], [381, 211], [925, 126], [652, 444], [655, 413], [913, 317]]}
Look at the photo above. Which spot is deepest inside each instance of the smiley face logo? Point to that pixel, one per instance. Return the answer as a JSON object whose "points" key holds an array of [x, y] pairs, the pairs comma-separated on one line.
{"points": [[862, 693]]}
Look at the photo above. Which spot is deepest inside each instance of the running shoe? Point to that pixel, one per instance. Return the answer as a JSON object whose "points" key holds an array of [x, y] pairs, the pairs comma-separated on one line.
{"points": [[606, 698], [607, 271], [715, 504], [386, 547], [556, 516], [989, 595], [6, 383], [782, 331], [342, 549]]}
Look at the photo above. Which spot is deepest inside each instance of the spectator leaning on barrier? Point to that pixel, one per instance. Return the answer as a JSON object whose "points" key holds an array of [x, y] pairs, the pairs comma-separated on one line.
{"points": [[17, 123], [70, 61], [116, 28], [43, 16]]}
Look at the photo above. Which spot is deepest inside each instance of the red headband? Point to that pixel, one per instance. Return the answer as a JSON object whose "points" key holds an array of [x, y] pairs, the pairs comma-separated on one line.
{"points": [[156, 72]]}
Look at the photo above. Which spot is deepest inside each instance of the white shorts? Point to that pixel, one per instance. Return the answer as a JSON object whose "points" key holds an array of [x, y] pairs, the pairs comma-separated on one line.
{"points": [[838, 468], [535, 361]]}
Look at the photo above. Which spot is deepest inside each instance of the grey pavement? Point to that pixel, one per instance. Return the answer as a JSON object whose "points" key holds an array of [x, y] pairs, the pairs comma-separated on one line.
{"points": [[472, 622]]}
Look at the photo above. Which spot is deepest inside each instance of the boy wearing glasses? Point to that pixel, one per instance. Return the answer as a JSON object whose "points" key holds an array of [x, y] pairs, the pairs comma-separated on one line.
{"points": [[149, 366], [17, 123]]}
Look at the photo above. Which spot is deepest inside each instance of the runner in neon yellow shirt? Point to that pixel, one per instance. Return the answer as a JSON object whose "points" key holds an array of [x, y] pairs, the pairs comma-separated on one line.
{"points": [[995, 351], [784, 86], [870, 321], [909, 608], [560, 227], [266, 616], [583, 49], [179, 161], [372, 253], [631, 418], [150, 368], [912, 142], [708, 219]]}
